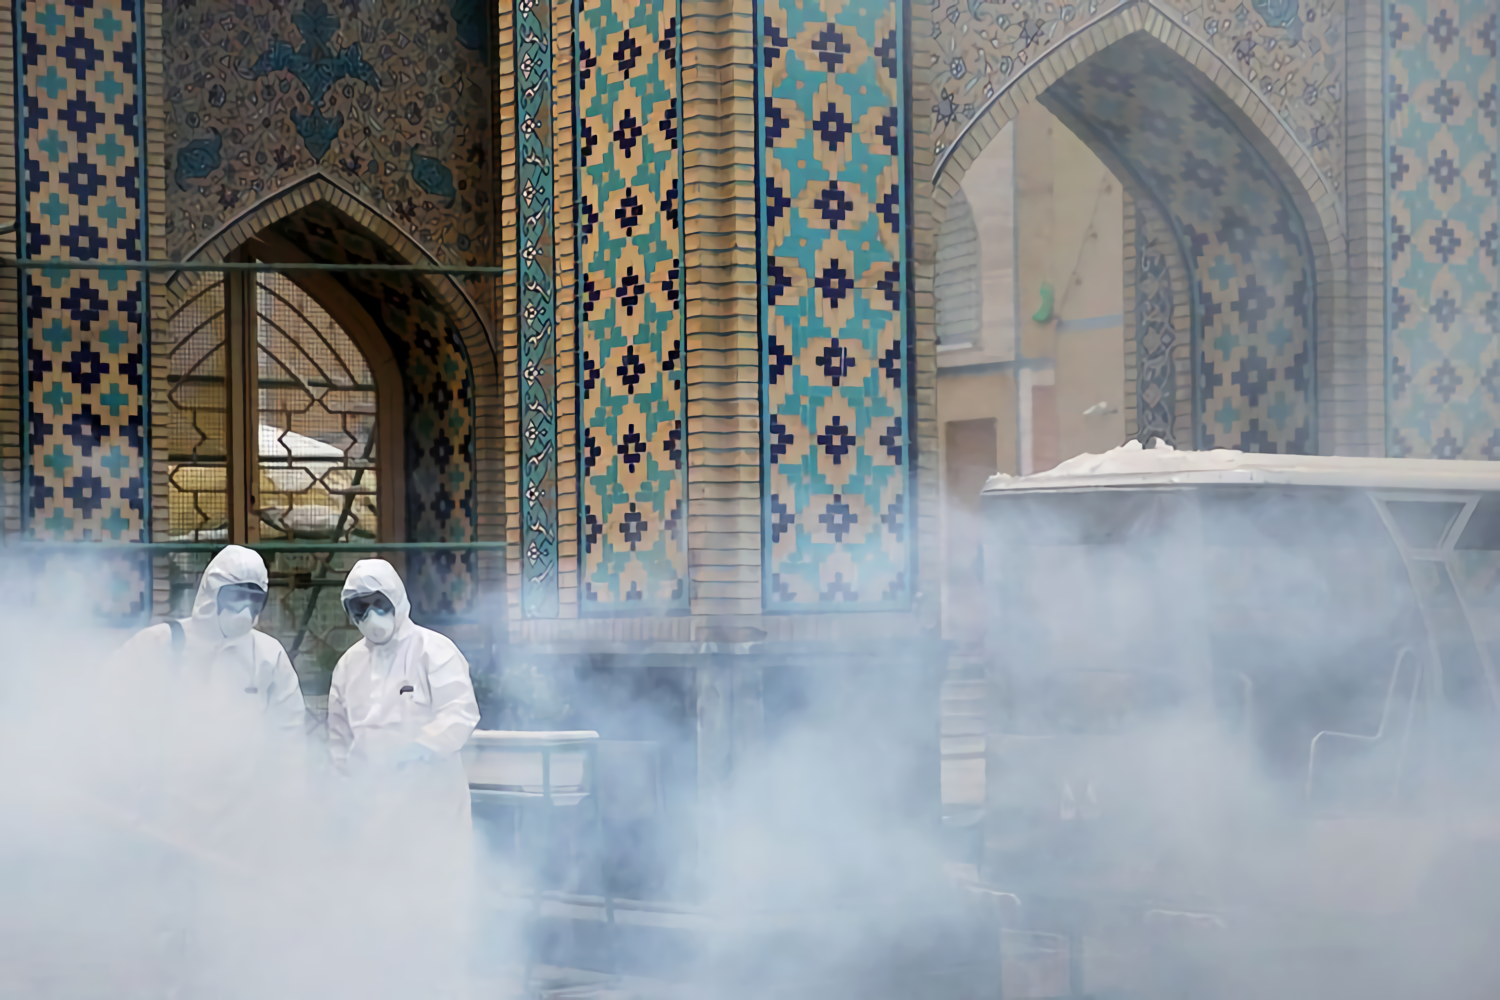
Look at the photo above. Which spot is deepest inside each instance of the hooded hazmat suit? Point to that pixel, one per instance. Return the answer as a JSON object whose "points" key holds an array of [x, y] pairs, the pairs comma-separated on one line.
{"points": [[412, 688], [399, 712], [213, 737], [250, 670]]}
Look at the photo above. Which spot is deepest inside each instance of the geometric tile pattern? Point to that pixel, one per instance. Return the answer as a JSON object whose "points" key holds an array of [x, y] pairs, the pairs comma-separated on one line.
{"points": [[630, 249], [1156, 384], [85, 365], [1290, 51], [1254, 325], [837, 433], [539, 585], [438, 402], [391, 98], [1443, 311]]}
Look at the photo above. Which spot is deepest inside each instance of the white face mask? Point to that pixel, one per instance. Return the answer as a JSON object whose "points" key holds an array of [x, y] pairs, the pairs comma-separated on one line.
{"points": [[236, 623], [378, 626]]}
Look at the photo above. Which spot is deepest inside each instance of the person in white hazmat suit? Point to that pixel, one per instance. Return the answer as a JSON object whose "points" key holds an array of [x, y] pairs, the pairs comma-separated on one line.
{"points": [[400, 709], [219, 645], [216, 699], [214, 741]]}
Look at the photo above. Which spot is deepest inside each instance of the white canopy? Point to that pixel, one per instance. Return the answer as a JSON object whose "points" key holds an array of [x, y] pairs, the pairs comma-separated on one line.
{"points": [[1132, 466]]}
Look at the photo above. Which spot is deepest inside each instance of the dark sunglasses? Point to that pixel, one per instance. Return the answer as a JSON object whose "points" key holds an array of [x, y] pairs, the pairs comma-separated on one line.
{"points": [[362, 604], [238, 596]]}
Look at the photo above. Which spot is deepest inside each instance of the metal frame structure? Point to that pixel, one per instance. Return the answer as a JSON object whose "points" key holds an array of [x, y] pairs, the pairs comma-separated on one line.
{"points": [[545, 802]]}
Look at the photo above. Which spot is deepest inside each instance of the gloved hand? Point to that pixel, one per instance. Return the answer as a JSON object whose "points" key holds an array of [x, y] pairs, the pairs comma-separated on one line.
{"points": [[414, 753]]}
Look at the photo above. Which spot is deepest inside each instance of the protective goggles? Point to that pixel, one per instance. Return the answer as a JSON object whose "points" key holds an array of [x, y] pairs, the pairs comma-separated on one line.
{"points": [[362, 604], [238, 596]]}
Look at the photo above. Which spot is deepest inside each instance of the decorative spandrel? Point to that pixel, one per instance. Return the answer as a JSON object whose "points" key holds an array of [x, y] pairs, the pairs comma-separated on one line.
{"points": [[1290, 51], [390, 100]]}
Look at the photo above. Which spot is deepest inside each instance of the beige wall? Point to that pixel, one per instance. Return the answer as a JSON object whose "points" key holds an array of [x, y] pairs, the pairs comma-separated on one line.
{"points": [[980, 230], [1046, 210]]}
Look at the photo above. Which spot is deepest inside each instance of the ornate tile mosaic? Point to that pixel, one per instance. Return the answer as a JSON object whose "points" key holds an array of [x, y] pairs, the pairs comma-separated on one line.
{"points": [[1254, 292], [837, 438], [85, 366], [438, 407], [1156, 381], [1291, 51], [539, 583], [630, 250], [1443, 313], [392, 98]]}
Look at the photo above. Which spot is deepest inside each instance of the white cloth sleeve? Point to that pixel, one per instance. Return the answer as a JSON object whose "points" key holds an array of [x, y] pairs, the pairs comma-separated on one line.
{"points": [[340, 736], [455, 710], [285, 709]]}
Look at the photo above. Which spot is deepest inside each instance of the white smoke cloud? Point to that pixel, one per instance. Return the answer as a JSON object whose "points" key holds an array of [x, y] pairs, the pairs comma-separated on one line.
{"points": [[1154, 827]]}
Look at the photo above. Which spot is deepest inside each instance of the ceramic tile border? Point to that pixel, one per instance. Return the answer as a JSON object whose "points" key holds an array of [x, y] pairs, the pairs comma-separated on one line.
{"points": [[537, 335], [10, 373], [928, 210], [507, 315], [565, 285]]}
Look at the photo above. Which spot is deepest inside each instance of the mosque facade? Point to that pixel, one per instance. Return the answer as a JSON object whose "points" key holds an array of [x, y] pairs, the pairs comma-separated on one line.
{"points": [[690, 379]]}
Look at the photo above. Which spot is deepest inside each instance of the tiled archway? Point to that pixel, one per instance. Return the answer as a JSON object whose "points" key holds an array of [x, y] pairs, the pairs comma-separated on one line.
{"points": [[1261, 160], [1253, 323], [448, 368]]}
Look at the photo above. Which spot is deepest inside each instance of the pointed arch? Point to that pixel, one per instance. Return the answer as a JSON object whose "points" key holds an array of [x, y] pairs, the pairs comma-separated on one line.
{"points": [[452, 445], [320, 188], [940, 173]]}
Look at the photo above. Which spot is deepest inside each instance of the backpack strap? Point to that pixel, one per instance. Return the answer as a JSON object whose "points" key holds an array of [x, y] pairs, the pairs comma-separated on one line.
{"points": [[179, 638]]}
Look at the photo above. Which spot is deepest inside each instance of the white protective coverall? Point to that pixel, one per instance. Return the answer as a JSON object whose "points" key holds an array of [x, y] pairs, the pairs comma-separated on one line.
{"points": [[214, 731], [253, 669], [414, 824], [412, 688]]}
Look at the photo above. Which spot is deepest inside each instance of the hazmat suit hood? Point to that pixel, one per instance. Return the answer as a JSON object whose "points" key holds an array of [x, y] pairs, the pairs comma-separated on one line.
{"points": [[376, 576], [234, 564]]}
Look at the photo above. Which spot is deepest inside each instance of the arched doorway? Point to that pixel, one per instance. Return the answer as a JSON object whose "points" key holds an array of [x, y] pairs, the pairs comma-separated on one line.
{"points": [[277, 414], [357, 420]]}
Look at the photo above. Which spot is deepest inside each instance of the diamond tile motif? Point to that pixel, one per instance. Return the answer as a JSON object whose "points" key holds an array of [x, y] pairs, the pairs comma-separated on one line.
{"points": [[630, 248], [834, 306], [85, 366], [1443, 313], [391, 99], [1290, 51]]}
